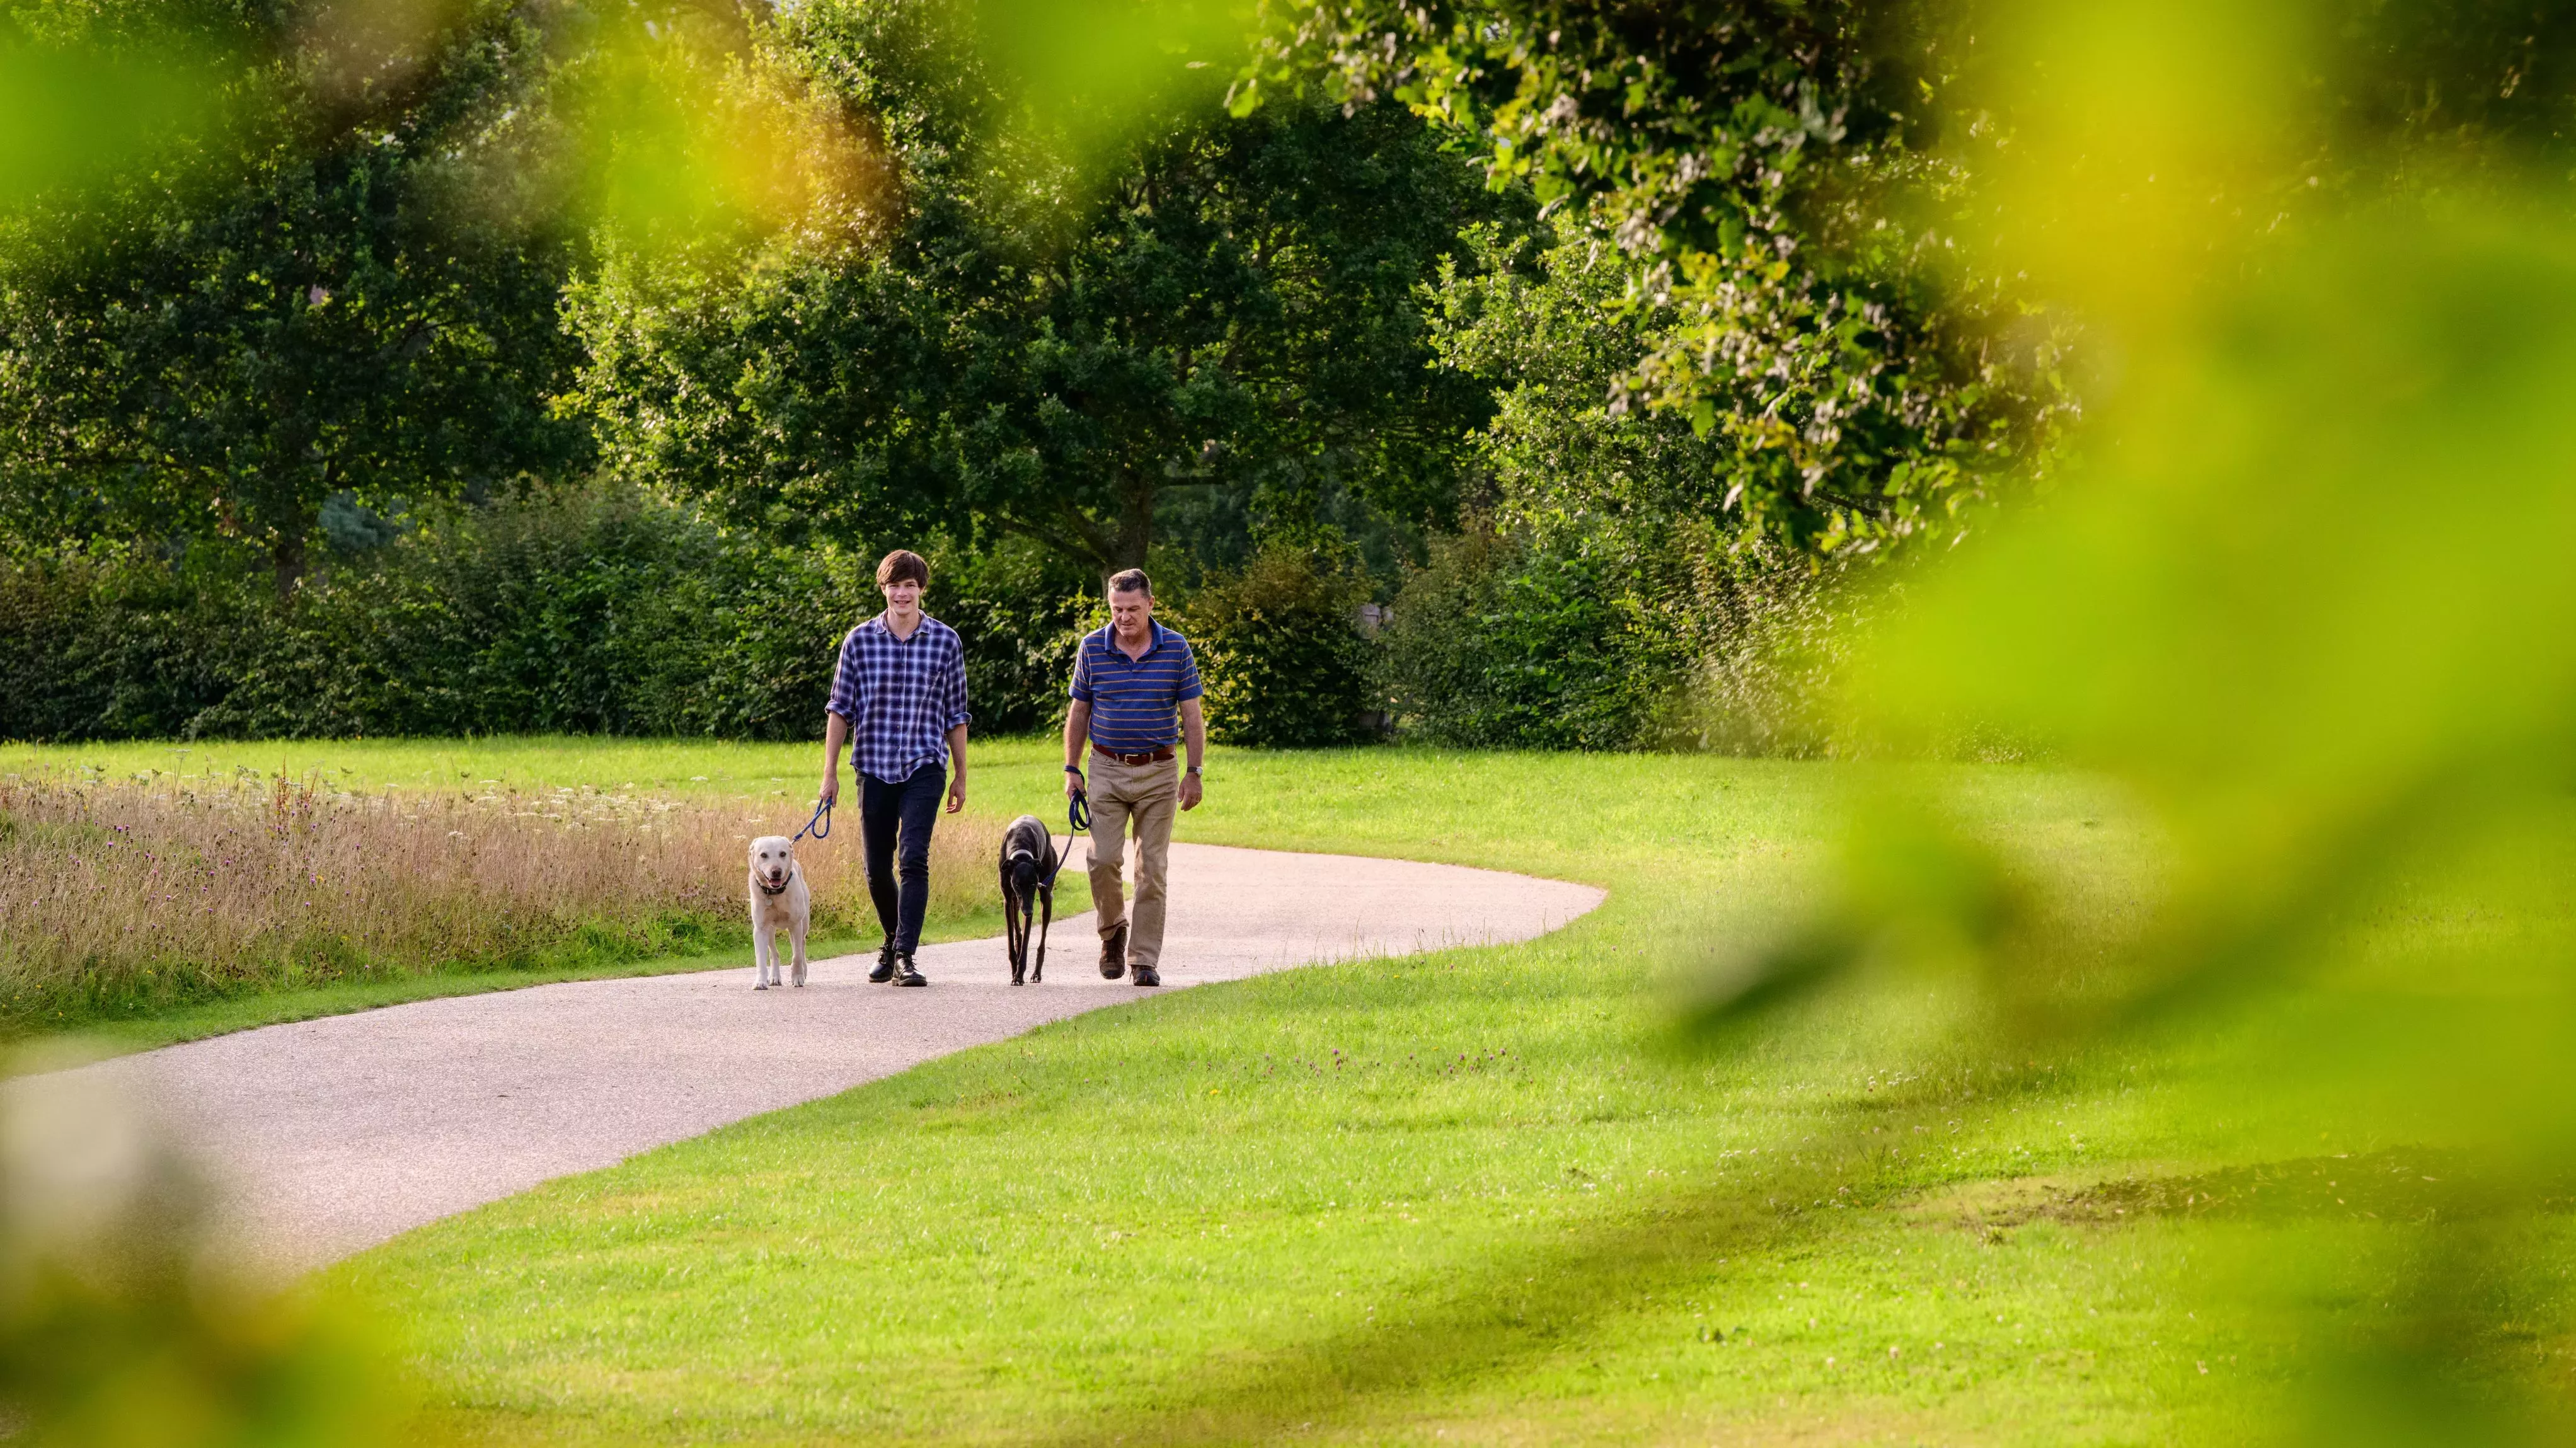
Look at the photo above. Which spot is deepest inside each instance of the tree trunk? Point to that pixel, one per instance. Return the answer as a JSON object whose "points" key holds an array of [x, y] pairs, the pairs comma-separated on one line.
{"points": [[286, 563], [1135, 524]]}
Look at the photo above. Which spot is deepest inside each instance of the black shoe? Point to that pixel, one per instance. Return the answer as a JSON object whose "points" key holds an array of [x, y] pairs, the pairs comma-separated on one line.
{"points": [[904, 974], [1113, 953], [1145, 975], [885, 964]]}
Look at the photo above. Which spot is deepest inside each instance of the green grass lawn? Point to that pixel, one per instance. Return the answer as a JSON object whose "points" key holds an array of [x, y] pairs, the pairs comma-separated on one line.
{"points": [[679, 767], [1476, 1196]]}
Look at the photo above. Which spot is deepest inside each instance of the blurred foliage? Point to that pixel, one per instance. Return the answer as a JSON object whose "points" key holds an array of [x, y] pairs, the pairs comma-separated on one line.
{"points": [[591, 611], [2301, 590], [1280, 650], [1083, 82], [90, 94], [129, 1317]]}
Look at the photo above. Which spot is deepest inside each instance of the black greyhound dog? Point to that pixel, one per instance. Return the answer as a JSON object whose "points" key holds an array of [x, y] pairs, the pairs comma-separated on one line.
{"points": [[1029, 865]]}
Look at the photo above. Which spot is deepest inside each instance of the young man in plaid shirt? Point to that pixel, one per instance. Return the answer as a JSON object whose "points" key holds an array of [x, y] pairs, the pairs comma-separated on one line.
{"points": [[900, 696]]}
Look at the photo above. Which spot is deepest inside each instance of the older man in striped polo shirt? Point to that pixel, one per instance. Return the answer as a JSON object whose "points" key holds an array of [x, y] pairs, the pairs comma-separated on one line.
{"points": [[1135, 693]]}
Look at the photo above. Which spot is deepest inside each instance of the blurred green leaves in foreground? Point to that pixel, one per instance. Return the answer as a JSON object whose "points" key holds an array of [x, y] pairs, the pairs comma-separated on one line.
{"points": [[72, 116], [128, 1319], [2304, 587], [663, 121]]}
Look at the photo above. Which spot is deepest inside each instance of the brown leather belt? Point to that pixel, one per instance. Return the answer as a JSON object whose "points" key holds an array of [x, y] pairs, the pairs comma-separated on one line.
{"points": [[1159, 756]]}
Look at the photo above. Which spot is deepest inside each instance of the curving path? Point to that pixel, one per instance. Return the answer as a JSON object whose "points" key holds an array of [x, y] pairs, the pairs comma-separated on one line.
{"points": [[337, 1134]]}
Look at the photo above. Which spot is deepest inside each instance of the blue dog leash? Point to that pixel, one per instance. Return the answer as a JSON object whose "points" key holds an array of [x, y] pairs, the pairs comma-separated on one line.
{"points": [[820, 825]]}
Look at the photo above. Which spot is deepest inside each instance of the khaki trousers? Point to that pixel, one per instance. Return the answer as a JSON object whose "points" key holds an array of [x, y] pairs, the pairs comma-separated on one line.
{"points": [[1144, 795]]}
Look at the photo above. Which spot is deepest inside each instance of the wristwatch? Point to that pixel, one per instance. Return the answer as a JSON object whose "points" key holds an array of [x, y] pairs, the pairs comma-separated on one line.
{"points": [[1193, 769]]}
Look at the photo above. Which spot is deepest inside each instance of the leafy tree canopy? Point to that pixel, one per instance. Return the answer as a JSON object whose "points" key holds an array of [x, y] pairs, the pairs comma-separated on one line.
{"points": [[1804, 197], [1744, 160], [347, 299], [1031, 350]]}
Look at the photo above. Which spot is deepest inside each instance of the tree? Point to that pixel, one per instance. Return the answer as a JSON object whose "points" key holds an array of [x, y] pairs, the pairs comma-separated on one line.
{"points": [[1808, 197], [1759, 170], [354, 302], [1236, 303]]}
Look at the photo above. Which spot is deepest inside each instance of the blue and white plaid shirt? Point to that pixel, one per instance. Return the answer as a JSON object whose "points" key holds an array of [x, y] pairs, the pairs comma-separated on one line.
{"points": [[901, 696]]}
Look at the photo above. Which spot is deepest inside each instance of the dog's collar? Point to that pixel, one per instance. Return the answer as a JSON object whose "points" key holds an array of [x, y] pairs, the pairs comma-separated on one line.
{"points": [[782, 885]]}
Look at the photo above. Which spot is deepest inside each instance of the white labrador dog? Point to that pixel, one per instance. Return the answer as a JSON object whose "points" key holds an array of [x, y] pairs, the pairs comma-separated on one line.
{"points": [[779, 901]]}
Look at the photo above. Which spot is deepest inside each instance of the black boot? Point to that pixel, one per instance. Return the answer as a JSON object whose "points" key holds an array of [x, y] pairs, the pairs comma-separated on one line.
{"points": [[885, 964], [1146, 975], [1113, 952], [904, 974]]}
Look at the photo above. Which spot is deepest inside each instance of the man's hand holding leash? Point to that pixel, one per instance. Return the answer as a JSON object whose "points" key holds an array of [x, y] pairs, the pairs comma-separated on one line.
{"points": [[836, 737]]}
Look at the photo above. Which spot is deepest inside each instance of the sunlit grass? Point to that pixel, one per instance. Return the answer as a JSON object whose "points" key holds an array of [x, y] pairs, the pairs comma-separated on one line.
{"points": [[1476, 1196], [672, 768], [1480, 1193]]}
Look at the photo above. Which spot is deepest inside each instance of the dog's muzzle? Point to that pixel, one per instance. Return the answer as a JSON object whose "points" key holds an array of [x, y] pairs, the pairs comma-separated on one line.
{"points": [[766, 888]]}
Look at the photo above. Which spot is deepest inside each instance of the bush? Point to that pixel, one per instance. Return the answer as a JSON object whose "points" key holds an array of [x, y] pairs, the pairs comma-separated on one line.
{"points": [[1771, 632], [1280, 652], [112, 645], [595, 611], [1021, 613], [1502, 642]]}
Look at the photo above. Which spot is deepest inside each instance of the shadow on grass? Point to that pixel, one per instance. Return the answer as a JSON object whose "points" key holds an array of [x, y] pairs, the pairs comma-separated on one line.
{"points": [[1515, 1308]]}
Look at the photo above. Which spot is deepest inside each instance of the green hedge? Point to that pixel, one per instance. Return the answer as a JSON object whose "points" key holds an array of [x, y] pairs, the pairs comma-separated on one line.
{"points": [[601, 612], [604, 611], [1499, 642], [1280, 651]]}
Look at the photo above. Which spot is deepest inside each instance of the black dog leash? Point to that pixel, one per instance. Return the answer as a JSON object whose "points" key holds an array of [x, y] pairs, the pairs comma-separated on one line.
{"points": [[1077, 818], [821, 824]]}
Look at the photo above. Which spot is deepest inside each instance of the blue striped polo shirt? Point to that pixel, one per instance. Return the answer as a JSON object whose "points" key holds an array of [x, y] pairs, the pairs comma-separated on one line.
{"points": [[1134, 702]]}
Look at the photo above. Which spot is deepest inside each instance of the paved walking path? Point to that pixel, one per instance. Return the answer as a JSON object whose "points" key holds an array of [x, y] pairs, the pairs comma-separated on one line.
{"points": [[340, 1133]]}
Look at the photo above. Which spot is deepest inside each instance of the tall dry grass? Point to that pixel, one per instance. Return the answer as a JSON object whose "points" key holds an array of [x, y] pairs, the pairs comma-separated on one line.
{"points": [[119, 895]]}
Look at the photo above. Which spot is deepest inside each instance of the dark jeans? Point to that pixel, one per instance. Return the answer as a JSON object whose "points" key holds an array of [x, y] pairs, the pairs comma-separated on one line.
{"points": [[895, 820]]}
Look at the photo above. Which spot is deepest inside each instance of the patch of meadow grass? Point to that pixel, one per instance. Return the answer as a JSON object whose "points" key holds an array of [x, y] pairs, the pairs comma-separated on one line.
{"points": [[157, 907]]}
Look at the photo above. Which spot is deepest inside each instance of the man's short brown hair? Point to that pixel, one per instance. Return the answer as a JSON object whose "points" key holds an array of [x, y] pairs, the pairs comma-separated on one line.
{"points": [[1131, 580], [901, 565]]}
